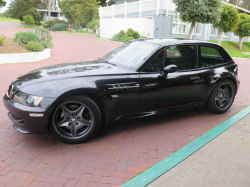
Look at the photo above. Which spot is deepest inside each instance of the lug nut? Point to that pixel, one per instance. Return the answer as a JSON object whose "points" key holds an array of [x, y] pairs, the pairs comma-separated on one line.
{"points": [[70, 123], [73, 114], [76, 123]]}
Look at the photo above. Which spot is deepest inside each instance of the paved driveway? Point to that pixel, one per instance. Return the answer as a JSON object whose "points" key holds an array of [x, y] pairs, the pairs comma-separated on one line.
{"points": [[117, 153]]}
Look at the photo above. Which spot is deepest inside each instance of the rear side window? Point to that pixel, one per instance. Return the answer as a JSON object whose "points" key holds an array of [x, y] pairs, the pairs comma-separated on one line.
{"points": [[183, 56], [210, 56]]}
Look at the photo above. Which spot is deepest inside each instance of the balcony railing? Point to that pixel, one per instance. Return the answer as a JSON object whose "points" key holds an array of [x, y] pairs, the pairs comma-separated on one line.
{"points": [[137, 7]]}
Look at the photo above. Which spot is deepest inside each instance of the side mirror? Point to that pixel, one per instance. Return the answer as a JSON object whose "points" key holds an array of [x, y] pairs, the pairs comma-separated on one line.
{"points": [[170, 69]]}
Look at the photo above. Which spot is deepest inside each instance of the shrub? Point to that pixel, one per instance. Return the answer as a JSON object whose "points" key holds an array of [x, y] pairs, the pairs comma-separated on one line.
{"points": [[34, 46], [29, 20], [44, 36], [36, 15], [51, 23], [2, 38], [117, 37], [60, 27], [25, 37], [93, 24], [136, 35], [124, 37], [142, 37], [132, 33]]}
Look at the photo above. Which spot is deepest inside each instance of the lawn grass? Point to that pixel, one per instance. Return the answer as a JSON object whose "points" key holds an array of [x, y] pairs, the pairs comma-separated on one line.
{"points": [[232, 48], [9, 20], [27, 27], [79, 31]]}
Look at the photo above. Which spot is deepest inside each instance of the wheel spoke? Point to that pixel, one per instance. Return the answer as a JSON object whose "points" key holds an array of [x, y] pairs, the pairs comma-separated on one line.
{"points": [[220, 101], [225, 98], [220, 90], [66, 111], [73, 130], [79, 111], [62, 124], [83, 123]]}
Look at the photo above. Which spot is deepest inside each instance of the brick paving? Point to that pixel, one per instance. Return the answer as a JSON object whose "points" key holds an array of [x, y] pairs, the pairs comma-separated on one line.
{"points": [[118, 152]]}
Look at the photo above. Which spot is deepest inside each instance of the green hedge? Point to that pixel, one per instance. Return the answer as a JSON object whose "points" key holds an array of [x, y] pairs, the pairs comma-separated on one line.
{"points": [[60, 27], [125, 37], [51, 23]]}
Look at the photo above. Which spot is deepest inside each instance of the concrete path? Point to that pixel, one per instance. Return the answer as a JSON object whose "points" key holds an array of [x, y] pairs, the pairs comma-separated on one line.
{"points": [[246, 53], [117, 153], [225, 161]]}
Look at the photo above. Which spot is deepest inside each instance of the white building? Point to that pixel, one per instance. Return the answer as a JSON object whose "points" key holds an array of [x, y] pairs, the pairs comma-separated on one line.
{"points": [[154, 19], [55, 12]]}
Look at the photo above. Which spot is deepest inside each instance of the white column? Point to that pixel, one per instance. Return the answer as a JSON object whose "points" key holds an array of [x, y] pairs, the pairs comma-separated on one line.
{"points": [[158, 7], [205, 34], [125, 9], [140, 8], [112, 8], [100, 14], [167, 8]]}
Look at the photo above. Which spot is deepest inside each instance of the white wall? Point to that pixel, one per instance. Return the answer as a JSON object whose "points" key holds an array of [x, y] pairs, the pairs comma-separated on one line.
{"points": [[110, 27]]}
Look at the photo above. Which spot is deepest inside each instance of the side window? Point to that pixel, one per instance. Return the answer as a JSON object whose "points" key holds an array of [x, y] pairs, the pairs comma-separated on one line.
{"points": [[210, 56], [156, 64], [183, 56]]}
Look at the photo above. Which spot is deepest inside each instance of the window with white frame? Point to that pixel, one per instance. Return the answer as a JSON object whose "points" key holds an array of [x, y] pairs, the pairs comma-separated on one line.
{"points": [[225, 34], [197, 28], [213, 31], [179, 27]]}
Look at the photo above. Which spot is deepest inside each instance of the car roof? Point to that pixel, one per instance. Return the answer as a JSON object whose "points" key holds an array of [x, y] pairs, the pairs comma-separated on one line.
{"points": [[173, 41]]}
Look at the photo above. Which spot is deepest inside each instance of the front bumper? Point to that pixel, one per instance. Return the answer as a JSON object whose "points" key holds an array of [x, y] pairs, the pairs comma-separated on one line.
{"points": [[20, 116]]}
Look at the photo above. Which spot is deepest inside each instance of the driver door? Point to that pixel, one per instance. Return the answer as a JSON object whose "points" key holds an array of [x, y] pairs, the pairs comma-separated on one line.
{"points": [[174, 89]]}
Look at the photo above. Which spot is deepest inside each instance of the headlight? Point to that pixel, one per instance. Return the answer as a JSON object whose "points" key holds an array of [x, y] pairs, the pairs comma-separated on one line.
{"points": [[27, 99]]}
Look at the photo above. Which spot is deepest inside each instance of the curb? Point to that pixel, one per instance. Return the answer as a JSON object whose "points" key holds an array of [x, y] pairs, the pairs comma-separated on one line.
{"points": [[171, 161], [24, 57], [108, 40]]}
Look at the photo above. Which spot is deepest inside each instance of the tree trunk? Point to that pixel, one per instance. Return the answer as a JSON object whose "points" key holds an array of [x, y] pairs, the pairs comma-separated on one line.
{"points": [[191, 30], [49, 10], [220, 35], [240, 43]]}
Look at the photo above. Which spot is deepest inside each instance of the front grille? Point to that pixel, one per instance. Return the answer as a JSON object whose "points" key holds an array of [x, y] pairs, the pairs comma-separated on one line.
{"points": [[10, 92]]}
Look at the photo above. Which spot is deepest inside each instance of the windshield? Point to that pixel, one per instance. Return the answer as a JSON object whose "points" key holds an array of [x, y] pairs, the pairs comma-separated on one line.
{"points": [[131, 54]]}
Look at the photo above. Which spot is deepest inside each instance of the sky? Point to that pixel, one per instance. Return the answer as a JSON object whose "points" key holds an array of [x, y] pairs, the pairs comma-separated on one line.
{"points": [[7, 4]]}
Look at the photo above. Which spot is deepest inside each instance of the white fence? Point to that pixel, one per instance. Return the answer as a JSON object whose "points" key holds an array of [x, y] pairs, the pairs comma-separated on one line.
{"points": [[137, 7], [110, 27]]}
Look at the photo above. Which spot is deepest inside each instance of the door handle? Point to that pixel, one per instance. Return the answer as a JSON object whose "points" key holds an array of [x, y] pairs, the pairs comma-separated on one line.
{"points": [[195, 78], [150, 84]]}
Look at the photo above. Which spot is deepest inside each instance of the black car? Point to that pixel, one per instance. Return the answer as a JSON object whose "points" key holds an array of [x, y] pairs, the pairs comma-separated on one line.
{"points": [[140, 78]]}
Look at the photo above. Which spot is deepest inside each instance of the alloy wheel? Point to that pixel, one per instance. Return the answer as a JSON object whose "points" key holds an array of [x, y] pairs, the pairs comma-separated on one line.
{"points": [[73, 120], [223, 96]]}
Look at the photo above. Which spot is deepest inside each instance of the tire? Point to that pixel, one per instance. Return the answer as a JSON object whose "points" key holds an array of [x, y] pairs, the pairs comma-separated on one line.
{"points": [[76, 119], [216, 102]]}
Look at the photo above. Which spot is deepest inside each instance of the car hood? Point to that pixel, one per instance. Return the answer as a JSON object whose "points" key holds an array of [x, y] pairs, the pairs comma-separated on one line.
{"points": [[68, 70]]}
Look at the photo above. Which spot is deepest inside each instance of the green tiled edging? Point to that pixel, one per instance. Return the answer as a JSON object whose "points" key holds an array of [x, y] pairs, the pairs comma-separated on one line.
{"points": [[166, 164]]}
